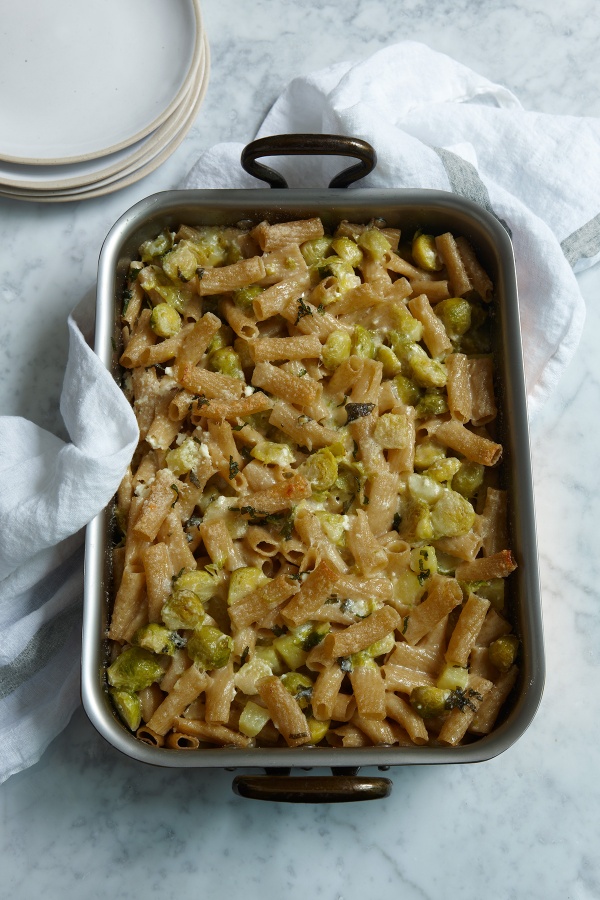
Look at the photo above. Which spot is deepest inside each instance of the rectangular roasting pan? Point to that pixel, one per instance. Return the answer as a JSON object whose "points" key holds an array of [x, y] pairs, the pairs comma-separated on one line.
{"points": [[436, 211]]}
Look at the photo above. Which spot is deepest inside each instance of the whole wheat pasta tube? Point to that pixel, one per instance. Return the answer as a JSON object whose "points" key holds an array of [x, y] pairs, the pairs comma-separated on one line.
{"points": [[368, 553], [481, 379], [222, 279], [499, 565], [211, 733], [243, 325], [400, 678], [468, 626], [159, 571], [454, 728], [197, 340], [219, 695], [300, 346], [287, 716], [255, 605], [362, 634], [130, 610], [434, 334], [325, 691], [319, 585], [402, 712], [369, 690], [271, 237], [458, 387], [275, 300], [219, 410], [157, 505], [280, 496], [485, 718], [184, 691], [494, 525], [476, 448], [141, 338], [220, 546], [475, 272], [444, 594], [434, 290], [166, 349], [306, 432], [457, 275], [213, 385], [303, 392]]}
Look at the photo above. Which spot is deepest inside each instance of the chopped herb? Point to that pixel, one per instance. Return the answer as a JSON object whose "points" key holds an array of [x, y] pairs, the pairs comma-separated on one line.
{"points": [[175, 577], [196, 439], [459, 700], [133, 274], [397, 521], [127, 295], [321, 309], [244, 655], [194, 479], [278, 630], [303, 420], [176, 489], [312, 640], [200, 273], [199, 400], [346, 664], [246, 454], [238, 427], [303, 310], [295, 576], [405, 624], [365, 500], [304, 693], [113, 344], [301, 373], [233, 468], [423, 576], [354, 450], [298, 735], [358, 410]]}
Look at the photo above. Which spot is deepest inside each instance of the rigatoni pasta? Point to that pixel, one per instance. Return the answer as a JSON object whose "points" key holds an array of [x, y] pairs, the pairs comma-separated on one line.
{"points": [[314, 539]]}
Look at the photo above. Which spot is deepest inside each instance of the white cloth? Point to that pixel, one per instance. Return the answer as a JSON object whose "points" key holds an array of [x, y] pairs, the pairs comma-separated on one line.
{"points": [[49, 490], [436, 124]]}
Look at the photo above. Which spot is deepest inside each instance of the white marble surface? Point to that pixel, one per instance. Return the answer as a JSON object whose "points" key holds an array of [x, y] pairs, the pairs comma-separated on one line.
{"points": [[85, 821]]}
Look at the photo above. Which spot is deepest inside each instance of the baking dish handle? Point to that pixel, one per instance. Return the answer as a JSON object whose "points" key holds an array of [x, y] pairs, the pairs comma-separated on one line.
{"points": [[334, 788], [308, 145]]}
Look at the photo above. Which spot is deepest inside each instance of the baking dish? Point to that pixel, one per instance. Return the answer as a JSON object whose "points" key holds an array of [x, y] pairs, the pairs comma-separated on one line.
{"points": [[406, 209]]}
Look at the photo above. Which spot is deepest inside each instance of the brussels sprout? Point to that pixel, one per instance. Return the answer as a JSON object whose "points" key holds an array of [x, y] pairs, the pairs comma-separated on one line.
{"points": [[129, 707], [452, 515], [432, 403], [181, 263], [503, 652], [427, 453], [392, 431], [182, 610], [408, 328], [348, 250], [134, 670], [444, 470], [390, 362], [151, 250], [424, 252], [224, 337], [269, 655], [198, 582], [317, 729], [468, 478], [455, 313], [226, 361], [209, 647], [243, 581], [429, 701], [334, 527], [363, 343], [373, 242], [314, 251], [336, 349], [299, 686], [453, 677], [183, 458], [211, 246], [492, 590], [408, 392], [245, 296], [154, 281], [165, 321], [320, 469], [408, 590], [416, 521], [342, 271], [156, 638], [426, 372], [271, 453], [288, 647], [383, 646]]}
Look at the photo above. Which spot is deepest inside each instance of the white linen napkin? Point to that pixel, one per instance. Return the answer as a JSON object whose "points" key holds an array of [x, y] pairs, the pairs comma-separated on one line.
{"points": [[436, 124], [49, 490]]}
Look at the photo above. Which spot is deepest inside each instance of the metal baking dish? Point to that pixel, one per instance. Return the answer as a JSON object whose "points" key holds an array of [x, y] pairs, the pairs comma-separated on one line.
{"points": [[434, 210]]}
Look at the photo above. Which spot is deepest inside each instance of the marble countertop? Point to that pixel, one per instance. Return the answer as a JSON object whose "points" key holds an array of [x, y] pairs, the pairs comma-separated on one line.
{"points": [[86, 820]]}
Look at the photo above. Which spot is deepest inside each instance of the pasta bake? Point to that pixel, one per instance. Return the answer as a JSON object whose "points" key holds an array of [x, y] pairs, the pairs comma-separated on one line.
{"points": [[311, 541]]}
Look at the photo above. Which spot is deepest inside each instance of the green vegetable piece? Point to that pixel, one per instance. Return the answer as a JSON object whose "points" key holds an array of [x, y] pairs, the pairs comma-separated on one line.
{"points": [[452, 515], [408, 392], [156, 638], [165, 321], [211, 246], [492, 590], [272, 453], [347, 250], [246, 295], [226, 361], [334, 526], [317, 729], [423, 562], [426, 372], [183, 458], [134, 670], [320, 469], [182, 610], [454, 678], [468, 478], [455, 313], [299, 686], [224, 337], [243, 581], [427, 453], [432, 403], [503, 652], [129, 707], [363, 343], [336, 349], [444, 470], [181, 264], [197, 581], [428, 701], [416, 521], [151, 250], [424, 253], [407, 327], [390, 362], [209, 647], [374, 243], [316, 250]]}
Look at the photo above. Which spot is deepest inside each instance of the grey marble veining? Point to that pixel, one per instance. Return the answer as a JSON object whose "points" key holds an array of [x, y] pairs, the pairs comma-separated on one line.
{"points": [[85, 821]]}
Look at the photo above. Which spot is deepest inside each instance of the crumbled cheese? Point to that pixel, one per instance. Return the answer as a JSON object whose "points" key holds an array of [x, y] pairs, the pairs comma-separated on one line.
{"points": [[248, 391], [250, 673], [203, 451]]}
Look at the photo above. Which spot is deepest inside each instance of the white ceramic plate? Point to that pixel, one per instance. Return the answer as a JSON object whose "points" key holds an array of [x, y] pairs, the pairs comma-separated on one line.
{"points": [[130, 175], [79, 80]]}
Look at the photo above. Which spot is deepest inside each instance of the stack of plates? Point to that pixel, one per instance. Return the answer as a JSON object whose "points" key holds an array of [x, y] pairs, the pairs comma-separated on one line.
{"points": [[95, 95]]}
